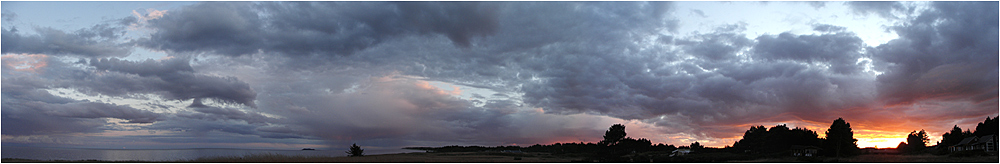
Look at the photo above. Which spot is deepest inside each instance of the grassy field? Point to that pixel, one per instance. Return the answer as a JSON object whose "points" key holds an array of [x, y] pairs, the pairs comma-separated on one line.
{"points": [[384, 158]]}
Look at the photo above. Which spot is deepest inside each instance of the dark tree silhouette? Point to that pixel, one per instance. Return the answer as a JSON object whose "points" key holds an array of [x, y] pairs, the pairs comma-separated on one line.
{"points": [[696, 146], [840, 139], [753, 140], [763, 141], [988, 127], [614, 135], [954, 137], [901, 146], [356, 151], [916, 142], [615, 145], [638, 145]]}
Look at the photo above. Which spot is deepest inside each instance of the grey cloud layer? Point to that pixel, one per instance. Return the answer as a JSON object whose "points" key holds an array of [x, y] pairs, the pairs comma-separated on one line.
{"points": [[96, 41], [27, 100], [307, 28], [618, 59], [173, 79], [948, 52], [29, 110]]}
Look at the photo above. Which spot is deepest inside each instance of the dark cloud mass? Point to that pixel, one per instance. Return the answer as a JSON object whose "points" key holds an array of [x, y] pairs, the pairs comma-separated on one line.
{"points": [[94, 42], [307, 28], [841, 51], [174, 79], [394, 74], [36, 111], [882, 8], [948, 52], [224, 28]]}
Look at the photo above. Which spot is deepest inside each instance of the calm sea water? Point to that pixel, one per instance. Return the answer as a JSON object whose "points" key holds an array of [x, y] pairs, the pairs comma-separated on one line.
{"points": [[158, 154]]}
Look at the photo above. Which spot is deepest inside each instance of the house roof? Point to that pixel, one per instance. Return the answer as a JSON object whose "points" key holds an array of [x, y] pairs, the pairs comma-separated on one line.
{"points": [[985, 139], [966, 141]]}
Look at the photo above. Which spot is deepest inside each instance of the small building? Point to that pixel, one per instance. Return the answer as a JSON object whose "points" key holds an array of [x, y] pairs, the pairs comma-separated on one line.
{"points": [[680, 152], [804, 151], [985, 143]]}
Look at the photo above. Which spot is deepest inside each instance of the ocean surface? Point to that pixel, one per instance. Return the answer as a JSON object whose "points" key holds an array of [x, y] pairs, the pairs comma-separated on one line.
{"points": [[160, 154]]}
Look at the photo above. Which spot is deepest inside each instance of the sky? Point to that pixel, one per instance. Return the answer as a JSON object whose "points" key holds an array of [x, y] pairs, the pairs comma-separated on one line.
{"points": [[387, 75]]}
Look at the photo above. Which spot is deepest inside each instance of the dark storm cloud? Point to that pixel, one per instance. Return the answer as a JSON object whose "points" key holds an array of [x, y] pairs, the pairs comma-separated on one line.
{"points": [[720, 45], [95, 110], [840, 50], [23, 122], [556, 67], [220, 27], [29, 110], [199, 126], [144, 68], [390, 111], [571, 58], [532, 25], [306, 28], [218, 113], [881, 8], [20, 119], [96, 41], [459, 21], [552, 41], [28, 88], [949, 52], [715, 84], [174, 79]]}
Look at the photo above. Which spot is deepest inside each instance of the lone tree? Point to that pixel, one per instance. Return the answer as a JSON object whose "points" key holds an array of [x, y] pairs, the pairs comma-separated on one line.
{"points": [[614, 135], [916, 141], [696, 146], [840, 139], [356, 151]]}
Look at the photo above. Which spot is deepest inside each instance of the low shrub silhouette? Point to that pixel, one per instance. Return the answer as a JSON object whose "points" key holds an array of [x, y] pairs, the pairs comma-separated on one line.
{"points": [[356, 151]]}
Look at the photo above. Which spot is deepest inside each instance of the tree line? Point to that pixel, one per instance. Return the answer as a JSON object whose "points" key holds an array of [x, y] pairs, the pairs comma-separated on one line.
{"points": [[916, 141], [778, 140], [757, 142]]}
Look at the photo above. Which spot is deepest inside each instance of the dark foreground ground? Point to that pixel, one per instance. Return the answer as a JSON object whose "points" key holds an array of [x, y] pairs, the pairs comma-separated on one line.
{"points": [[384, 158], [475, 157]]}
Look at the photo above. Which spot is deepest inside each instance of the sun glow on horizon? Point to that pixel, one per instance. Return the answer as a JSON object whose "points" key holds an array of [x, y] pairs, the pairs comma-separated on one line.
{"points": [[879, 142], [889, 139]]}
